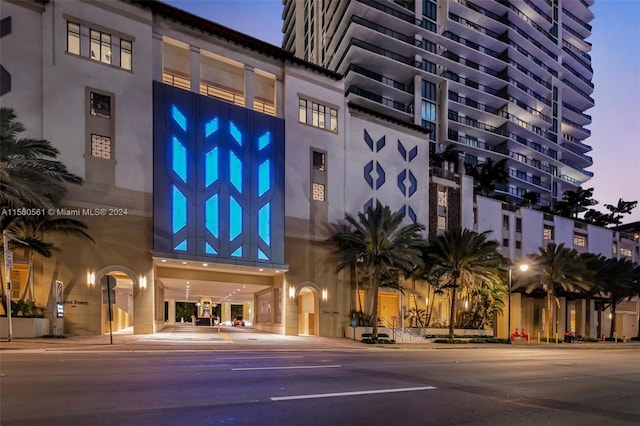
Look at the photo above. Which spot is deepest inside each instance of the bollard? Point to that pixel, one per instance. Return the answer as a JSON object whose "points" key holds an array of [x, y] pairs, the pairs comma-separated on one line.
{"points": [[538, 337], [602, 339], [557, 338], [624, 339], [615, 337]]}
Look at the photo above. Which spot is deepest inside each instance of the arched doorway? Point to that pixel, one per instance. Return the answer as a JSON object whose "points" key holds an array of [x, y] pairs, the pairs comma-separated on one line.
{"points": [[122, 282], [308, 307]]}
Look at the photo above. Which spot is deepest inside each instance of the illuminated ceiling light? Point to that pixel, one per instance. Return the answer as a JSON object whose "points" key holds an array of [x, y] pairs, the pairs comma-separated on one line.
{"points": [[260, 269], [277, 272], [163, 260], [205, 264], [244, 286], [184, 263]]}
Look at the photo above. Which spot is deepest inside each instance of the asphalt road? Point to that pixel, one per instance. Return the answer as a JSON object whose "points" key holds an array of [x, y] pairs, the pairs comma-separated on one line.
{"points": [[372, 386]]}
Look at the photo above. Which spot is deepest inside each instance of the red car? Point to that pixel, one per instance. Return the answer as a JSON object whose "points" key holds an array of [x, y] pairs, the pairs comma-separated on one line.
{"points": [[238, 321]]}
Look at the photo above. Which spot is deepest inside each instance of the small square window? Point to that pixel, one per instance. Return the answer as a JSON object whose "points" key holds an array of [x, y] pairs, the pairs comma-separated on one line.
{"points": [[317, 192], [442, 222], [579, 240], [100, 105], [442, 198], [625, 252], [101, 146], [318, 160], [547, 233]]}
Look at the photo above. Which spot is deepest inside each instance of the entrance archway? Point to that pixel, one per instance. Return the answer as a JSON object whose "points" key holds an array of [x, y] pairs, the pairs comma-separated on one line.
{"points": [[308, 310], [123, 282]]}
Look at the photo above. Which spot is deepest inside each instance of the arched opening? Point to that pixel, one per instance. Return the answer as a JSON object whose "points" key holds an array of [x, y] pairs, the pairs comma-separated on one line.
{"points": [[308, 311], [117, 284]]}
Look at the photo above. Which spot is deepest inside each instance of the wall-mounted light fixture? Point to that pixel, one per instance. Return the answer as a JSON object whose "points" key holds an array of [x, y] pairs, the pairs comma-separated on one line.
{"points": [[91, 279], [324, 294], [143, 281], [292, 292]]}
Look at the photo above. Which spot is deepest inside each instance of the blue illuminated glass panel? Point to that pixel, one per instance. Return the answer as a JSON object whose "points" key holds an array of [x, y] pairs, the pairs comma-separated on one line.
{"points": [[179, 159], [182, 246], [235, 171], [262, 256], [264, 177], [212, 215], [235, 219], [264, 140], [235, 133], [179, 210], [209, 250], [211, 166], [238, 252], [179, 118], [211, 127], [264, 223]]}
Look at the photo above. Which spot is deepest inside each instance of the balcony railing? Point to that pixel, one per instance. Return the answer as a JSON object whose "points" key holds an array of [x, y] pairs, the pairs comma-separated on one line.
{"points": [[379, 77], [576, 167], [176, 80], [576, 126], [408, 109], [578, 90], [453, 116], [474, 143], [576, 110], [500, 112], [529, 179], [578, 20]]}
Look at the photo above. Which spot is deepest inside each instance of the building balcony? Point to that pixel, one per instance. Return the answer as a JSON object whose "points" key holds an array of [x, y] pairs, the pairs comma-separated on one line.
{"points": [[576, 167], [576, 144], [381, 100]]}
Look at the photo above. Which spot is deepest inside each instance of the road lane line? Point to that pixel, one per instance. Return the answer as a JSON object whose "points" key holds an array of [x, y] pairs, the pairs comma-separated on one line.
{"points": [[225, 337], [332, 395], [285, 368]]}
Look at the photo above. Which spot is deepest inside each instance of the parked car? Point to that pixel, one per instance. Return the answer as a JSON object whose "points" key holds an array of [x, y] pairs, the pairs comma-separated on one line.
{"points": [[238, 321]]}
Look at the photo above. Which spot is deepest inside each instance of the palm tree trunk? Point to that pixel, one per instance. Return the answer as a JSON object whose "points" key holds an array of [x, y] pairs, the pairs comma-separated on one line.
{"points": [[374, 310], [587, 322], [452, 314], [613, 320], [549, 325]]}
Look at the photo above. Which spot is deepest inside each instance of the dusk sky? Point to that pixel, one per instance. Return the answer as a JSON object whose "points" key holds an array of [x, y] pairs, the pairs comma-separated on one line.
{"points": [[615, 131]]}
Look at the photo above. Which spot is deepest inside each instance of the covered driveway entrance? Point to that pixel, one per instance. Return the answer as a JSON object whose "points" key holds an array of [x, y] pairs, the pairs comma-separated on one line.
{"points": [[203, 293]]}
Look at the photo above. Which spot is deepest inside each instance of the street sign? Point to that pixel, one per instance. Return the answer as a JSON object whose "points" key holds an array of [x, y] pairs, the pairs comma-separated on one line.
{"points": [[8, 259]]}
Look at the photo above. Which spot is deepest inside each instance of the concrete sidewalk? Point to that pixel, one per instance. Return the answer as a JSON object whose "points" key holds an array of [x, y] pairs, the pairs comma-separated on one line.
{"points": [[186, 338]]}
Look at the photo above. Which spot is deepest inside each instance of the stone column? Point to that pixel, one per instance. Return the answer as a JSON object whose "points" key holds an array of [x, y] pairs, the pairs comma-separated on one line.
{"points": [[194, 68]]}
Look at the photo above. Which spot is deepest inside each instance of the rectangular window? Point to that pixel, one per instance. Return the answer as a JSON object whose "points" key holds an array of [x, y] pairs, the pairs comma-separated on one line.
{"points": [[505, 222], [125, 54], [316, 113], [73, 38], [428, 111], [442, 198], [547, 233], [333, 120], [518, 245], [614, 248], [428, 90], [101, 146], [321, 117], [505, 242], [579, 240], [518, 224], [625, 252], [100, 105], [302, 111], [442, 223], [317, 191], [318, 160], [100, 46]]}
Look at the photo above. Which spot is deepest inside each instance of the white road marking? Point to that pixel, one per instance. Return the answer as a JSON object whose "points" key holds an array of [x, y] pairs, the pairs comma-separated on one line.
{"points": [[260, 357], [369, 392], [286, 368]]}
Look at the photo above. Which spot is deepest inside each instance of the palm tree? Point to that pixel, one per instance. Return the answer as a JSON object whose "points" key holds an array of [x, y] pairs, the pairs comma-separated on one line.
{"points": [[486, 175], [33, 230], [382, 243], [618, 283], [463, 255], [30, 175], [573, 202], [557, 267], [622, 207]]}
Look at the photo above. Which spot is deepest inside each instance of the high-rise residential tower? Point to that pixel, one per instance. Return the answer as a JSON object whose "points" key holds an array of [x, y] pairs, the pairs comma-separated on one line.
{"points": [[499, 79]]}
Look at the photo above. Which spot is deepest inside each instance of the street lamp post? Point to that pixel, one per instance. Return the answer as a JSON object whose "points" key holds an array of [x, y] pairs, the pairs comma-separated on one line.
{"points": [[523, 267], [8, 264]]}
